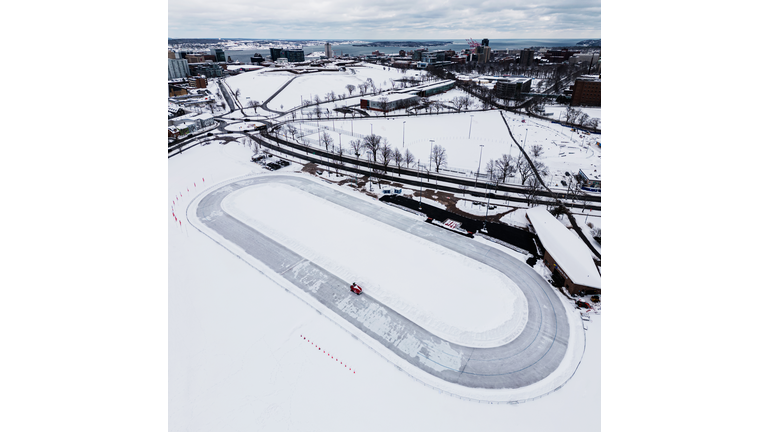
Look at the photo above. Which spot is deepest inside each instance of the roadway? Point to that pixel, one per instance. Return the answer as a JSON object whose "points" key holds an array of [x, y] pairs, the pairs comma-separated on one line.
{"points": [[532, 356]]}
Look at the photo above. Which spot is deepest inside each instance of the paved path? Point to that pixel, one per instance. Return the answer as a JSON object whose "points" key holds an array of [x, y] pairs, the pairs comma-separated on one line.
{"points": [[532, 356]]}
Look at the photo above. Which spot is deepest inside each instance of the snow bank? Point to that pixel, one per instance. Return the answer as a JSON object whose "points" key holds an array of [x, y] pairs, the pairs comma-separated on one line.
{"points": [[450, 295]]}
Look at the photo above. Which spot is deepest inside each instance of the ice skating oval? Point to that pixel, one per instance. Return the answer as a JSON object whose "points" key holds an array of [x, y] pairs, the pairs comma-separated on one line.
{"points": [[536, 349]]}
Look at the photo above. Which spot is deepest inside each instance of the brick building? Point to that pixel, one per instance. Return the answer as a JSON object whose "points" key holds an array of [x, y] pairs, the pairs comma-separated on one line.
{"points": [[586, 91]]}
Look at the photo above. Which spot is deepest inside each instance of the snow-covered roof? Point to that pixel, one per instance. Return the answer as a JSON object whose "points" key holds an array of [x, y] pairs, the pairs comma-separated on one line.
{"points": [[592, 173], [392, 97], [568, 251]]}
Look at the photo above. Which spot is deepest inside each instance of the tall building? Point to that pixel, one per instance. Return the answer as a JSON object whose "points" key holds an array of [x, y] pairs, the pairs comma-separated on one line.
{"points": [[526, 58], [292, 55], [171, 54], [219, 53], [178, 68], [586, 91], [328, 52], [483, 53], [485, 42]]}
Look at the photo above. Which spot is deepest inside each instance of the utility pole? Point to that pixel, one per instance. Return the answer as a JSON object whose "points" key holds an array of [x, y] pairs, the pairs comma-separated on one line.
{"points": [[470, 126], [477, 174]]}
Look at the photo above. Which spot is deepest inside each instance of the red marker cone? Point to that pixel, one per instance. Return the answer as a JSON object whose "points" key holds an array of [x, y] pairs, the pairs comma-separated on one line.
{"points": [[195, 184]]}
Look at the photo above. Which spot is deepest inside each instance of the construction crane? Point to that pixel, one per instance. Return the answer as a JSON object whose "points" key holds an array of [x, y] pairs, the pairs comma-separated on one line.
{"points": [[472, 43]]}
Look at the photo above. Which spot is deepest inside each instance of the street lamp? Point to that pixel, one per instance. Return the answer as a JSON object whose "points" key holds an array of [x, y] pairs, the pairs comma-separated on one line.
{"points": [[418, 168], [477, 174], [470, 126], [403, 134], [526, 137], [487, 204], [430, 154]]}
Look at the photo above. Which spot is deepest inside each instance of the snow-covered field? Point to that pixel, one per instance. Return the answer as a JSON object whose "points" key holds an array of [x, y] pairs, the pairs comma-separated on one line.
{"points": [[558, 112], [453, 297], [562, 150], [238, 358]]}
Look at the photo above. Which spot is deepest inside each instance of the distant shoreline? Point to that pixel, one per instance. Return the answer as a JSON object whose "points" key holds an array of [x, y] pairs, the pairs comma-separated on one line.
{"points": [[385, 44]]}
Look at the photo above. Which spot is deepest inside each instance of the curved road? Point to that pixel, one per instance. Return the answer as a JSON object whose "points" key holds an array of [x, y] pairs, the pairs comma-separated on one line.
{"points": [[532, 356]]}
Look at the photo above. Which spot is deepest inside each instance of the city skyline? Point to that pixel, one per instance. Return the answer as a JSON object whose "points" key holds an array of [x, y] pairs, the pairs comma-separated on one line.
{"points": [[419, 19]]}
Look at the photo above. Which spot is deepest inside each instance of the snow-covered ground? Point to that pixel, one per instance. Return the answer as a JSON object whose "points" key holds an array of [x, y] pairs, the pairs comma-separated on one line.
{"points": [[480, 209], [558, 112], [238, 358], [562, 149], [451, 296]]}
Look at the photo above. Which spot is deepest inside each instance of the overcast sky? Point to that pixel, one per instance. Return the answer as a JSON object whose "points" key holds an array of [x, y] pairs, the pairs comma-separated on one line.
{"points": [[384, 19]]}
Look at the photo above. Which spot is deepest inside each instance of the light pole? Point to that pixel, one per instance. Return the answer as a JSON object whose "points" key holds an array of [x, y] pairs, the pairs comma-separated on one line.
{"points": [[470, 126], [526, 137], [487, 203], [477, 174], [430, 154], [418, 168], [403, 134]]}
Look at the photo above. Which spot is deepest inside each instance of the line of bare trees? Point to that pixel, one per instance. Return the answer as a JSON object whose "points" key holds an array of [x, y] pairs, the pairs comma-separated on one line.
{"points": [[499, 170], [576, 116]]}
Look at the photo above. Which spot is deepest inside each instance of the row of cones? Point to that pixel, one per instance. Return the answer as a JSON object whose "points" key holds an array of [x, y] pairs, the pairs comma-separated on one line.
{"points": [[326, 353]]}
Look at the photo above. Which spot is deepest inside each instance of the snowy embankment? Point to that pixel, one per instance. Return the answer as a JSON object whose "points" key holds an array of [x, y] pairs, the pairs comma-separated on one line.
{"points": [[452, 296], [481, 209]]}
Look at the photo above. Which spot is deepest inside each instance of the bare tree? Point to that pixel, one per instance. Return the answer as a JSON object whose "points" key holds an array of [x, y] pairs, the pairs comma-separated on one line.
{"points": [[439, 157], [491, 170], [398, 160], [350, 88], [254, 104], [292, 130], [386, 153], [357, 147], [409, 158], [384, 101], [536, 151], [327, 140], [532, 187], [373, 143], [522, 167], [237, 93], [505, 167]]}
